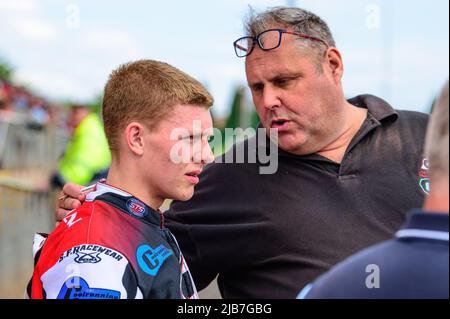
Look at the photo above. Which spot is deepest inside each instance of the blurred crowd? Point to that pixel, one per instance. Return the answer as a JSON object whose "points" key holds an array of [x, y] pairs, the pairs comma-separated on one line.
{"points": [[18, 104], [86, 156]]}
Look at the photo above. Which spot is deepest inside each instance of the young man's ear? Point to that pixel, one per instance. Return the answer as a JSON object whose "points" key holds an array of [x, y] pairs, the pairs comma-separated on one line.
{"points": [[134, 137], [335, 63]]}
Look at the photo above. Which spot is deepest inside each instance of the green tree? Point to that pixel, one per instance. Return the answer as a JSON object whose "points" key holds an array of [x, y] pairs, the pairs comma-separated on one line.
{"points": [[6, 70], [96, 104], [242, 115], [235, 118]]}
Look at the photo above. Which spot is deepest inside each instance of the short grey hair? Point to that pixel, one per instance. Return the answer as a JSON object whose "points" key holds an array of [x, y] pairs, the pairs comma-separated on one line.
{"points": [[436, 144], [300, 20]]}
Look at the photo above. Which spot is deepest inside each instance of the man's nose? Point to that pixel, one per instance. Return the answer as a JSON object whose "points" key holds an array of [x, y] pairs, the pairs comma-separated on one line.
{"points": [[207, 154], [203, 154], [271, 99]]}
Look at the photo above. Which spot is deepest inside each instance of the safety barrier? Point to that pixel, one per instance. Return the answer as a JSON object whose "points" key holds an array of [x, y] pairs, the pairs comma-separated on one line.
{"points": [[24, 144], [28, 153], [24, 210]]}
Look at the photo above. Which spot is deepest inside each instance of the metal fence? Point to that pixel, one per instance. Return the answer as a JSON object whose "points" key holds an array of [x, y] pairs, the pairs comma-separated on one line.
{"points": [[22, 213], [24, 144], [28, 154]]}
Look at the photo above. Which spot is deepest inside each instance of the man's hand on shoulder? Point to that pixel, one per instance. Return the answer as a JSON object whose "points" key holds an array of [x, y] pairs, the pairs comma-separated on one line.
{"points": [[70, 198]]}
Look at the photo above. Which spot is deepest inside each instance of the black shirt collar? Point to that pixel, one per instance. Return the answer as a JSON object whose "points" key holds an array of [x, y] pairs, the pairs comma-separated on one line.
{"points": [[378, 108], [378, 111]]}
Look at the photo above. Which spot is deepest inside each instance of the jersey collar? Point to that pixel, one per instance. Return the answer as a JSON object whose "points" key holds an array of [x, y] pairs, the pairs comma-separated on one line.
{"points": [[127, 203], [425, 225]]}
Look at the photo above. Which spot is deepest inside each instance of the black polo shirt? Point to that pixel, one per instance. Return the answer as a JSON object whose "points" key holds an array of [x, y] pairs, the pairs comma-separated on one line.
{"points": [[413, 265], [267, 236]]}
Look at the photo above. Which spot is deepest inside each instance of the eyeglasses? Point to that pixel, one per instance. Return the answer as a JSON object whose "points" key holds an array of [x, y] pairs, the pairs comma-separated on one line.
{"points": [[267, 40]]}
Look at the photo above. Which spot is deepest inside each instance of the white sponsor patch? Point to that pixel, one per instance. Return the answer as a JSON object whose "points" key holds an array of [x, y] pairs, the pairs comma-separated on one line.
{"points": [[95, 269]]}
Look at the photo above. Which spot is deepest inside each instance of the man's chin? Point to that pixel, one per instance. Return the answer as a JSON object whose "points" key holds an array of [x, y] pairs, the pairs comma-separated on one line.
{"points": [[185, 195], [289, 145], [297, 148]]}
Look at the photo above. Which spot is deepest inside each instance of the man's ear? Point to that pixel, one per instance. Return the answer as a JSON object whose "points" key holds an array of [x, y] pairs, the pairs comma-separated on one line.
{"points": [[335, 63], [134, 137]]}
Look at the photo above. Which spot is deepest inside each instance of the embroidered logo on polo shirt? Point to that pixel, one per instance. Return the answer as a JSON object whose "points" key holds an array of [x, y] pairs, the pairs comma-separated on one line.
{"points": [[424, 178]]}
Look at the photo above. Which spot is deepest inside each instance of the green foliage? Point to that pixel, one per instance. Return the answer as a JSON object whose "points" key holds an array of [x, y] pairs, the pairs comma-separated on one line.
{"points": [[96, 104], [6, 70], [242, 115], [234, 118]]}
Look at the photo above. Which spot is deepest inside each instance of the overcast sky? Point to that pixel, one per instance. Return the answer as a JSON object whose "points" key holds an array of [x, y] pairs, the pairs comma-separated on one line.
{"points": [[396, 49]]}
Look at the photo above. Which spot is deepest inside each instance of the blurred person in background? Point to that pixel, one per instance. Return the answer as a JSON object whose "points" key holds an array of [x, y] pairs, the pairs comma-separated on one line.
{"points": [[6, 107], [6, 113], [415, 263], [21, 99], [38, 112], [87, 156]]}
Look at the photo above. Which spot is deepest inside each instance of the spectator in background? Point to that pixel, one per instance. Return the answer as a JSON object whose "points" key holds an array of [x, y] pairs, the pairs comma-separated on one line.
{"points": [[21, 99], [5, 116], [38, 112], [5, 105], [87, 156], [415, 263], [2, 100]]}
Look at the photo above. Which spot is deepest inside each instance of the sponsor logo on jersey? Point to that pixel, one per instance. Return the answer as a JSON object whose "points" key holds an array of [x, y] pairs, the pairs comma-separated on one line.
{"points": [[71, 219], [90, 254], [424, 178], [78, 288], [136, 208], [150, 260], [88, 258]]}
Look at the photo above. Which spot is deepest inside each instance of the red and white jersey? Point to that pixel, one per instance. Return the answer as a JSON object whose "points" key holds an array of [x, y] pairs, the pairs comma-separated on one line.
{"points": [[112, 247]]}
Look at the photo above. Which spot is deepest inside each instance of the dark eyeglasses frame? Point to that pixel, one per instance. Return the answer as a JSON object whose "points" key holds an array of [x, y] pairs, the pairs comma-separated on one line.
{"points": [[257, 38]]}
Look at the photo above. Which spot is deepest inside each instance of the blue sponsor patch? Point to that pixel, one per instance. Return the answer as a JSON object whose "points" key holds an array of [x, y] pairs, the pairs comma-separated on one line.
{"points": [[150, 260], [136, 208], [78, 288]]}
